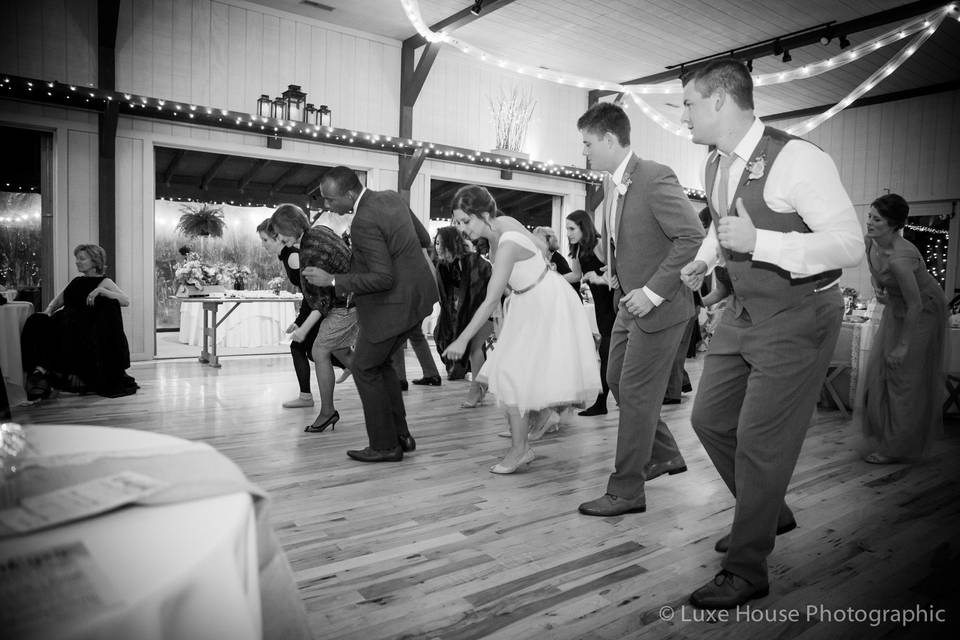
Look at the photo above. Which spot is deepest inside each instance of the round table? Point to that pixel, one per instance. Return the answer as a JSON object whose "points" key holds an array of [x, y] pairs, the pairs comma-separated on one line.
{"points": [[184, 565], [13, 315]]}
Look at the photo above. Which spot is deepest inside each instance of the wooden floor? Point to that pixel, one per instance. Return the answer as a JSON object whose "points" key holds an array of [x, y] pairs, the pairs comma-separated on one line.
{"points": [[438, 547]]}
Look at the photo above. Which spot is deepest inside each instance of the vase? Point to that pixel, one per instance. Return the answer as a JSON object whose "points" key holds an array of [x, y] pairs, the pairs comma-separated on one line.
{"points": [[507, 153]]}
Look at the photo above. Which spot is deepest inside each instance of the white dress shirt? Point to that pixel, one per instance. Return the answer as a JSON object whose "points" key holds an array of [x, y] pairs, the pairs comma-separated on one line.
{"points": [[803, 179]]}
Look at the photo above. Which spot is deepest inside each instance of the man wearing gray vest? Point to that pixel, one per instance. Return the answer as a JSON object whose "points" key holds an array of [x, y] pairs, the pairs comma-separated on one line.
{"points": [[784, 227]]}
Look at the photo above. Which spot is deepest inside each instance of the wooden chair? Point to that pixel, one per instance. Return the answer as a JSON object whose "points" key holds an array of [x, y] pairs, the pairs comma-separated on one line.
{"points": [[834, 369]]}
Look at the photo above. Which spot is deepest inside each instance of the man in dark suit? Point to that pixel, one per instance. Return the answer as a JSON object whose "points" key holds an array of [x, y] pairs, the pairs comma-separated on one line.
{"points": [[649, 230], [394, 291]]}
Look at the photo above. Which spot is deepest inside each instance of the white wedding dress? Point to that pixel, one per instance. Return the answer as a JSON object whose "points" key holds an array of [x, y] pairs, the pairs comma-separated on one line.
{"points": [[545, 354]]}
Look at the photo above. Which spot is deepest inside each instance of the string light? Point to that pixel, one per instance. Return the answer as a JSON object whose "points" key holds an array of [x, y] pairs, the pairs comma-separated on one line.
{"points": [[18, 87], [868, 84], [412, 9]]}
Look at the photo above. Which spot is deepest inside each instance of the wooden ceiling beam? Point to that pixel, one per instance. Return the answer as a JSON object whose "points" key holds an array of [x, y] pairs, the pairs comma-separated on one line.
{"points": [[172, 167], [457, 20], [252, 173], [284, 179], [212, 172]]}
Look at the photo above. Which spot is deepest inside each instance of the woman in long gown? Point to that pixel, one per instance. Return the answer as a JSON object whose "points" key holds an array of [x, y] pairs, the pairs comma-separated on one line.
{"points": [[78, 343], [544, 358], [583, 239], [904, 378]]}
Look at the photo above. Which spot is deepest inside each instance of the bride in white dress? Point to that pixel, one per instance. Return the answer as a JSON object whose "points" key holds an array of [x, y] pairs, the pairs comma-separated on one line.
{"points": [[544, 357]]}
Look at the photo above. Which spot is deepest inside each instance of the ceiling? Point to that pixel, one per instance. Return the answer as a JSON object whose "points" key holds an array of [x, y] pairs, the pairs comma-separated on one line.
{"points": [[619, 40]]}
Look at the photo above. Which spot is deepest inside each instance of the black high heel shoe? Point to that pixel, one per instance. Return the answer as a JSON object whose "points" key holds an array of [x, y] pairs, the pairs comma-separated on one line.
{"points": [[329, 422]]}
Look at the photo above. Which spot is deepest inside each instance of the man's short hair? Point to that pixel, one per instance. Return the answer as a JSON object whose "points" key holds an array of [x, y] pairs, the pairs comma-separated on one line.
{"points": [[344, 178], [728, 74], [605, 117]]}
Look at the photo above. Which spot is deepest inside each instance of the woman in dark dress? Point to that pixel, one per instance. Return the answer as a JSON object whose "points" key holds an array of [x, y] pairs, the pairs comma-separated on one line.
{"points": [[583, 238], [570, 272], [462, 277], [904, 376], [77, 344]]}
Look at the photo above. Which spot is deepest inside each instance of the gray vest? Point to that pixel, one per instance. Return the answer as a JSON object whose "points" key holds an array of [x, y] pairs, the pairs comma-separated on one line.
{"points": [[761, 288]]}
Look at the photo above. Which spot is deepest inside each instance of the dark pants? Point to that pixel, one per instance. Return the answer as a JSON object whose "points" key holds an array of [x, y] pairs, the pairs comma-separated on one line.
{"points": [[379, 389], [678, 375], [756, 396], [637, 372], [424, 355]]}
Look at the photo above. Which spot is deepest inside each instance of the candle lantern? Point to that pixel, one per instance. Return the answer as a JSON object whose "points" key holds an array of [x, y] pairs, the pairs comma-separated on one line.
{"points": [[264, 106], [294, 99], [326, 116], [277, 110], [310, 114]]}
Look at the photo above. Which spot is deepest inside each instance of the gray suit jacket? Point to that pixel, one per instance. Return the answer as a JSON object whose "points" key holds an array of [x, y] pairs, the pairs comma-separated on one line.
{"points": [[657, 233]]}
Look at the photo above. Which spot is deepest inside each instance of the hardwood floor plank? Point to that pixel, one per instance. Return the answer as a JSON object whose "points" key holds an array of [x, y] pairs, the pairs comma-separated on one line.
{"points": [[438, 547]]}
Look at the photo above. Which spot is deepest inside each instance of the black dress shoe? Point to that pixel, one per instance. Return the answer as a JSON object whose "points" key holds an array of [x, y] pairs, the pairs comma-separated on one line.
{"points": [[686, 388], [671, 401], [724, 543], [403, 385], [610, 505], [726, 591], [432, 381], [672, 467], [596, 409], [407, 443], [377, 455]]}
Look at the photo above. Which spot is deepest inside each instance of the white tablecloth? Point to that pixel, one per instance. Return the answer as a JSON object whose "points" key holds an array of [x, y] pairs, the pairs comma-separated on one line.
{"points": [[182, 570], [12, 317], [252, 324]]}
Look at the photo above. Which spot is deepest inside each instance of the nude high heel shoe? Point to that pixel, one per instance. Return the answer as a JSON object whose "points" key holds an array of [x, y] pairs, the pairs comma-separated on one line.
{"points": [[477, 392], [522, 463]]}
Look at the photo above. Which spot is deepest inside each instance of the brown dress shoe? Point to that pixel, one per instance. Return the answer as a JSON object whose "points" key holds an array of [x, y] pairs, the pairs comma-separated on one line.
{"points": [[726, 591], [611, 505], [673, 467], [724, 543]]}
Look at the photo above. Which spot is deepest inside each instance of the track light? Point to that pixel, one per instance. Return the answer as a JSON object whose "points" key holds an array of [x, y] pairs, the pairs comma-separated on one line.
{"points": [[477, 7], [844, 43], [777, 47], [750, 66], [787, 57]]}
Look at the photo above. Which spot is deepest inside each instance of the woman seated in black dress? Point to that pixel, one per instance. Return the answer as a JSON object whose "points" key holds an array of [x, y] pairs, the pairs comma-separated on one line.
{"points": [[77, 344]]}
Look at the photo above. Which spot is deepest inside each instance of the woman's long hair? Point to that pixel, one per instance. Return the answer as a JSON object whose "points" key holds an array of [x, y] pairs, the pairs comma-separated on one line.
{"points": [[588, 233], [449, 240]]}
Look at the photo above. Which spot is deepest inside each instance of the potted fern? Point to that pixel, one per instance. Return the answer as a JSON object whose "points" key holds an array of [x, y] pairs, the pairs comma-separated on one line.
{"points": [[200, 222]]}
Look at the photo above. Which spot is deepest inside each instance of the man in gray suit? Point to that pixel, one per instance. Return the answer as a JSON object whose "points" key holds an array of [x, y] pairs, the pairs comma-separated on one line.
{"points": [[784, 227], [649, 230]]}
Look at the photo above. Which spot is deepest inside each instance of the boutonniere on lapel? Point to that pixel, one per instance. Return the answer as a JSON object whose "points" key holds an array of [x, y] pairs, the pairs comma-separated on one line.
{"points": [[756, 168], [623, 186]]}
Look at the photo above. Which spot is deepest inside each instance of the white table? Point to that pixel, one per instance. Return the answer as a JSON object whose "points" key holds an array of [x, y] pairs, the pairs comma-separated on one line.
{"points": [[252, 321], [185, 564], [13, 315]]}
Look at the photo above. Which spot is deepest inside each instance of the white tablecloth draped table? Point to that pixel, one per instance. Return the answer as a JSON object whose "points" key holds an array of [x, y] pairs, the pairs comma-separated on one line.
{"points": [[13, 315], [253, 323], [196, 560]]}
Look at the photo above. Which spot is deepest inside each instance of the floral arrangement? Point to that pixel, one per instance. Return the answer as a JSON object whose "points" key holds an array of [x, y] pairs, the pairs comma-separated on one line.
{"points": [[195, 273], [623, 186], [511, 117], [235, 273], [276, 284]]}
